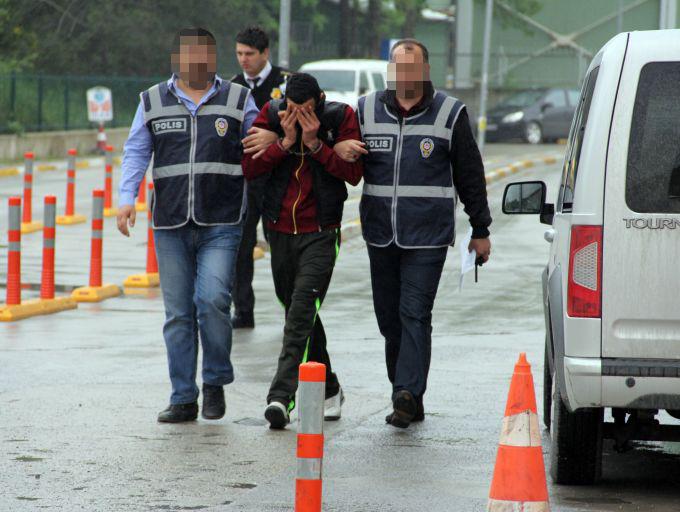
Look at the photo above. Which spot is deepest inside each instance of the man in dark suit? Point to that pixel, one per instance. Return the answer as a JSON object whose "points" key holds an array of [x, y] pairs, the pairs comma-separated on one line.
{"points": [[266, 82]]}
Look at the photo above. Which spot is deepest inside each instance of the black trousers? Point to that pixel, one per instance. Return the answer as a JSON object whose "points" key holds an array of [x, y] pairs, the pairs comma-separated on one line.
{"points": [[242, 293], [405, 283], [302, 266]]}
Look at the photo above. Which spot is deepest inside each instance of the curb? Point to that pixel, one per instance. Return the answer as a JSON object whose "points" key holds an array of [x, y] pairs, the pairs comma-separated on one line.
{"points": [[9, 171], [504, 172]]}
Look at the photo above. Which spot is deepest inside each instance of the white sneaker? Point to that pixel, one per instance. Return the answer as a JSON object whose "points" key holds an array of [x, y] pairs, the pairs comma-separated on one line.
{"points": [[277, 415], [333, 406]]}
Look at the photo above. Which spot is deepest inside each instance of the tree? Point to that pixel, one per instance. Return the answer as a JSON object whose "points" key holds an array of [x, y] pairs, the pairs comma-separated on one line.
{"points": [[410, 10]]}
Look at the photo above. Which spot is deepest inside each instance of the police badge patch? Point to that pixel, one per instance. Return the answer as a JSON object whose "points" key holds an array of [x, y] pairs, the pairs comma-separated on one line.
{"points": [[426, 147], [221, 126]]}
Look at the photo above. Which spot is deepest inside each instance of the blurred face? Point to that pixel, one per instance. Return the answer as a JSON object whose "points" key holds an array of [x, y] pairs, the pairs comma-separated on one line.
{"points": [[407, 71], [251, 60], [196, 62]]}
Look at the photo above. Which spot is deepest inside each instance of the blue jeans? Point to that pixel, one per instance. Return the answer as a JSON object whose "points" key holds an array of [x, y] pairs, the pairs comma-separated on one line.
{"points": [[405, 283], [196, 267]]}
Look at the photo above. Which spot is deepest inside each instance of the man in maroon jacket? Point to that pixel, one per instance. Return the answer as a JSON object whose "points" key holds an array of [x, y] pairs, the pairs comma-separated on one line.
{"points": [[303, 203]]}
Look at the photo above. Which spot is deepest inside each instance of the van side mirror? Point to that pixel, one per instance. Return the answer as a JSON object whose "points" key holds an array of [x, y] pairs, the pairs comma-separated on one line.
{"points": [[546, 106], [363, 91], [528, 197], [524, 198]]}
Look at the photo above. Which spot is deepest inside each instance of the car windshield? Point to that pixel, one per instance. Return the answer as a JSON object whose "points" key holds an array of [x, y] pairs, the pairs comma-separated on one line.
{"points": [[337, 80], [521, 99]]}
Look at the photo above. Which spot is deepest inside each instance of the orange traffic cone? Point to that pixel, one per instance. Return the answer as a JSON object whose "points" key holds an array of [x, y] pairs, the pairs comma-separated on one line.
{"points": [[519, 476]]}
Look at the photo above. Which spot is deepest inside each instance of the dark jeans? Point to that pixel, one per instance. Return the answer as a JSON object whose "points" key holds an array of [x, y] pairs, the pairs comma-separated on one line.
{"points": [[405, 283], [244, 297], [302, 266], [196, 267]]}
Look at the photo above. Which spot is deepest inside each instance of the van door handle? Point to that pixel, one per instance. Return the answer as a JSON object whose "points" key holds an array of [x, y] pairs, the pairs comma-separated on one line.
{"points": [[549, 235]]}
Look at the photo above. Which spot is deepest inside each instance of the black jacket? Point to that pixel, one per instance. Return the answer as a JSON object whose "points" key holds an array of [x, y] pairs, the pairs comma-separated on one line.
{"points": [[330, 192], [268, 90], [466, 161]]}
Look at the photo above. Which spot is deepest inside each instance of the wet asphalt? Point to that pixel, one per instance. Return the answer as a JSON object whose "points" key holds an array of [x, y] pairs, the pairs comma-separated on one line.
{"points": [[80, 390]]}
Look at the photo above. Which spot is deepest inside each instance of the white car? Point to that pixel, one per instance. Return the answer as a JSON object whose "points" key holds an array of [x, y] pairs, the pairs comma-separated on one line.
{"points": [[346, 80], [612, 281]]}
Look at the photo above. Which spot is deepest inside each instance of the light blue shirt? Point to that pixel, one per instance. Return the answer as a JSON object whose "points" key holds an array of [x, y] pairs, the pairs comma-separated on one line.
{"points": [[138, 148]]}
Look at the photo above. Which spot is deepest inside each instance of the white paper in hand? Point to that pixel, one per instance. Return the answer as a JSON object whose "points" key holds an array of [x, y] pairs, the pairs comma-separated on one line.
{"points": [[467, 259]]}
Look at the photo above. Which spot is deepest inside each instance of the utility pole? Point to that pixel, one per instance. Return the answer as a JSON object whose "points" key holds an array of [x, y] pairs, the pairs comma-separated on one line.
{"points": [[619, 18], [284, 34], [484, 86]]}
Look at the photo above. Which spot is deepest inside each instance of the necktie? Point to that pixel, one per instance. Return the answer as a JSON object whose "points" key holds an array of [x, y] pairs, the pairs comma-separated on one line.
{"points": [[254, 81]]}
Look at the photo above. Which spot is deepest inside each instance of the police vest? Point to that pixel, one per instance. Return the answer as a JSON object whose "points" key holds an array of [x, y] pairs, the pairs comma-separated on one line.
{"points": [[408, 196], [197, 159]]}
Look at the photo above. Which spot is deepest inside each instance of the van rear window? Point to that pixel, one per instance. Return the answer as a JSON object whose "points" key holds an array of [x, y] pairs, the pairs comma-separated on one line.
{"points": [[653, 175]]}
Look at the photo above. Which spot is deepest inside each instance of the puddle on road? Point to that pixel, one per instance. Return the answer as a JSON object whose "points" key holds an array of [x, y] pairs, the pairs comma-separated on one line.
{"points": [[28, 458], [591, 500], [251, 422], [241, 485]]}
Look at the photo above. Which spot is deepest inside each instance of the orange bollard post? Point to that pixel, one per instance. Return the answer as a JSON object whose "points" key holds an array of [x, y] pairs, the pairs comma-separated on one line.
{"points": [[109, 209], [150, 279], [50, 303], [27, 224], [14, 253], [70, 217], [96, 291], [141, 197], [310, 439], [519, 481], [14, 308]]}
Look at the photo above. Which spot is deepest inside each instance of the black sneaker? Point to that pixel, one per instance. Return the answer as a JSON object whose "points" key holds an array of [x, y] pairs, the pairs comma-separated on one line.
{"points": [[213, 402], [277, 415], [405, 409], [179, 413], [241, 320]]}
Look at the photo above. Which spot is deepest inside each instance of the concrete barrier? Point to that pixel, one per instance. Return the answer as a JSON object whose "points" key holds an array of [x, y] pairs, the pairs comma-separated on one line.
{"points": [[55, 144]]}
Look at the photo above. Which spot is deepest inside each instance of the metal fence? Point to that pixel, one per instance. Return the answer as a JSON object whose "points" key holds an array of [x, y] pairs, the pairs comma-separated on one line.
{"points": [[31, 102]]}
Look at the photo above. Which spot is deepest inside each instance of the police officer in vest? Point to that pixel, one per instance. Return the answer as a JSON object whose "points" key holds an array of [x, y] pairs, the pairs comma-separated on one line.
{"points": [[192, 125], [266, 82], [421, 155]]}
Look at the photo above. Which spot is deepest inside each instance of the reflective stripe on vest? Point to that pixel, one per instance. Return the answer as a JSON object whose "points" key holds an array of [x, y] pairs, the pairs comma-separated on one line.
{"points": [[230, 109], [409, 191], [438, 129], [170, 171]]}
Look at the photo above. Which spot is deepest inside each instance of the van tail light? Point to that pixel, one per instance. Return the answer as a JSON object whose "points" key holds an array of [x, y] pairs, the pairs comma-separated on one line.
{"points": [[584, 292]]}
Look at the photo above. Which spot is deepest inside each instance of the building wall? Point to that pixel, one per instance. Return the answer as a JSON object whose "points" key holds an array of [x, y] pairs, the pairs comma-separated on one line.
{"points": [[514, 41]]}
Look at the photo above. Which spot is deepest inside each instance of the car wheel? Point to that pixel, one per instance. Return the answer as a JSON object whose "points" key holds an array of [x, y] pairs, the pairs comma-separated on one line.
{"points": [[547, 386], [575, 442], [533, 133]]}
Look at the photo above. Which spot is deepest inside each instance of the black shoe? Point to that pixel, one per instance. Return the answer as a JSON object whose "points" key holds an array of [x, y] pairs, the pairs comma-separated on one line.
{"points": [[241, 320], [277, 415], [179, 413], [213, 402], [405, 409]]}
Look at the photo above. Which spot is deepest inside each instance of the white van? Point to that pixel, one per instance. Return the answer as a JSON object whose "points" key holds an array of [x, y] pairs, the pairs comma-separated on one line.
{"points": [[346, 80], [612, 281]]}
